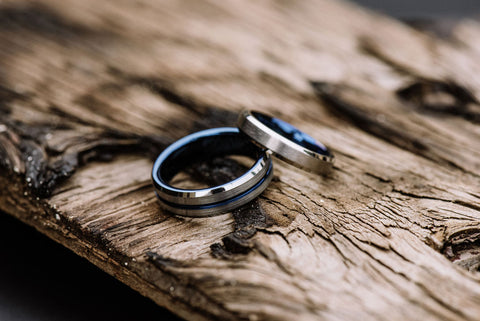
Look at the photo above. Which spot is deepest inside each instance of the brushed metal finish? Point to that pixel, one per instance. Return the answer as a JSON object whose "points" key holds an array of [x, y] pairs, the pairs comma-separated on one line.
{"points": [[282, 147]]}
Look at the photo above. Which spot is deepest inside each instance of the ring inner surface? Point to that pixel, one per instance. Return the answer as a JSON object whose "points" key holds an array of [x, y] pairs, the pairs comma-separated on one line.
{"points": [[205, 148], [292, 133]]}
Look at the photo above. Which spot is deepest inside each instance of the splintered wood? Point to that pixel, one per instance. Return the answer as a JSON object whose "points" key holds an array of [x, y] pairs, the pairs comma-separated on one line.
{"points": [[92, 91]]}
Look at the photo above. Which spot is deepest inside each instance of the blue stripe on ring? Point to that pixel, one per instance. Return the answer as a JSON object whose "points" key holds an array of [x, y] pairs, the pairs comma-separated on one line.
{"points": [[225, 202]]}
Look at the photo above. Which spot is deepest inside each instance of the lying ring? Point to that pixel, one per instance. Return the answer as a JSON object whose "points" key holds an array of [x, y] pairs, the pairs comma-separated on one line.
{"points": [[285, 141], [204, 145]]}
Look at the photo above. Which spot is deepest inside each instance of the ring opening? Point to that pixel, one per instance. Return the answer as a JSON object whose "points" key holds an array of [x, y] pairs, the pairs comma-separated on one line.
{"points": [[204, 149]]}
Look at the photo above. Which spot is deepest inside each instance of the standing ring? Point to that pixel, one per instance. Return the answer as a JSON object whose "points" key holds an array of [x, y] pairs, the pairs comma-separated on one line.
{"points": [[285, 141]]}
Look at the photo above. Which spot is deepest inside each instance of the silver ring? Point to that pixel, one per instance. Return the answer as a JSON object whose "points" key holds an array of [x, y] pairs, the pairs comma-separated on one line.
{"points": [[215, 200], [285, 141]]}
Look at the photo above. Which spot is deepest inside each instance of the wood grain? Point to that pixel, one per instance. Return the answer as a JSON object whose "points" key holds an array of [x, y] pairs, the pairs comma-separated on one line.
{"points": [[91, 92]]}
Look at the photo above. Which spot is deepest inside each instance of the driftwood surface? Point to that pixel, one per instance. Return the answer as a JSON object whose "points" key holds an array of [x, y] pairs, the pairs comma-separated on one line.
{"points": [[91, 92]]}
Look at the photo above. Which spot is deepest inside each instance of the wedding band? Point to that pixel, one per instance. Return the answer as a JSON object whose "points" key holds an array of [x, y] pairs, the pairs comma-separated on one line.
{"points": [[257, 136], [285, 141], [204, 145]]}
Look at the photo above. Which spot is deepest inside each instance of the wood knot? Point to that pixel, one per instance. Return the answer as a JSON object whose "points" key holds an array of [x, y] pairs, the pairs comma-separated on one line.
{"points": [[463, 249], [248, 219], [441, 97]]}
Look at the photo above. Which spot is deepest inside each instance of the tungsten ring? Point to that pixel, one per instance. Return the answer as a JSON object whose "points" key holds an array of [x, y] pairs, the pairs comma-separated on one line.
{"points": [[201, 146], [285, 141]]}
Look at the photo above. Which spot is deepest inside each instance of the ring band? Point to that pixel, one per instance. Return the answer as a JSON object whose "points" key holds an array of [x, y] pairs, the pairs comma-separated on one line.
{"points": [[205, 145], [222, 206], [285, 141]]}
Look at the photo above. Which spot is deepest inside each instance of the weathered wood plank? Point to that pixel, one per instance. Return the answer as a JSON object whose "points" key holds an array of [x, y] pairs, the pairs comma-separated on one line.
{"points": [[90, 92]]}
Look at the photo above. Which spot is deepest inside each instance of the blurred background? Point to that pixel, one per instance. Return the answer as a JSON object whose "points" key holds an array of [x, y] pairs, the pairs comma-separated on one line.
{"points": [[424, 9], [40, 286]]}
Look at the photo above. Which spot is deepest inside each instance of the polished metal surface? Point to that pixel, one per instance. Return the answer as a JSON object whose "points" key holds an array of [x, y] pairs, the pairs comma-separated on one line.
{"points": [[222, 206], [217, 199], [287, 149], [214, 194]]}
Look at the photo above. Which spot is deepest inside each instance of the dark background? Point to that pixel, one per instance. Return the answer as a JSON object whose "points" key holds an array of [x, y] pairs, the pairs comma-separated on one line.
{"points": [[40, 280], [424, 8]]}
